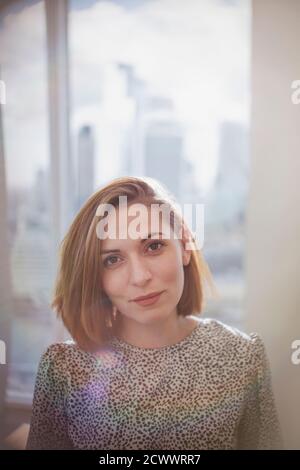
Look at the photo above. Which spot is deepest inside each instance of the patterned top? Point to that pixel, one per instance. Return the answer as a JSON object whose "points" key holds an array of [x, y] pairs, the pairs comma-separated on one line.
{"points": [[211, 390]]}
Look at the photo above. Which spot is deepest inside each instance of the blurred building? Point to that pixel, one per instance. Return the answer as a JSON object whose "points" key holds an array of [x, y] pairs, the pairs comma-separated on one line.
{"points": [[85, 165], [227, 200]]}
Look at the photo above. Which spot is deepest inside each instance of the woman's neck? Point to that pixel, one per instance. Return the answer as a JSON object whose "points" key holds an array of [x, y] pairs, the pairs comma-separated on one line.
{"points": [[154, 334]]}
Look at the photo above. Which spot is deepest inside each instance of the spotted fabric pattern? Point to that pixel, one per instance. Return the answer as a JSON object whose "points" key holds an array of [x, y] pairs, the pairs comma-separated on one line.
{"points": [[211, 390]]}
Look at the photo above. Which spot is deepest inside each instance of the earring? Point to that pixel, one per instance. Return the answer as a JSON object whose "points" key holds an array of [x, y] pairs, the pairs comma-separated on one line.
{"points": [[114, 312]]}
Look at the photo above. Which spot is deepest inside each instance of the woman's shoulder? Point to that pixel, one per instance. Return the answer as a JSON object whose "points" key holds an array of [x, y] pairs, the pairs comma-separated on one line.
{"points": [[55, 350], [226, 331], [67, 354], [59, 356], [232, 341]]}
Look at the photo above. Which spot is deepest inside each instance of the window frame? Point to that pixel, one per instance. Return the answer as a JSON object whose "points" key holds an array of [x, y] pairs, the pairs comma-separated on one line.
{"points": [[61, 203]]}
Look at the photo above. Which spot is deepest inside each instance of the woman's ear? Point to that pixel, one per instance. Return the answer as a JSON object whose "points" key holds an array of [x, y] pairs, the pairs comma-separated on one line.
{"points": [[186, 257]]}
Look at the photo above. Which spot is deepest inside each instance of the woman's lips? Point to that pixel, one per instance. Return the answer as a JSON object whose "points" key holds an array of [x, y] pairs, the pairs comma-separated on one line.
{"points": [[150, 301]]}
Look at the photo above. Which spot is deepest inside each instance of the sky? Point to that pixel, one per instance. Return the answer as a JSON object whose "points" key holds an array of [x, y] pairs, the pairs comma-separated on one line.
{"points": [[195, 52]]}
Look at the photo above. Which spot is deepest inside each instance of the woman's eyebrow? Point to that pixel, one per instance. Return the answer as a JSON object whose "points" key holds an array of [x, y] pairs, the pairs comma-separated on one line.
{"points": [[150, 235]]}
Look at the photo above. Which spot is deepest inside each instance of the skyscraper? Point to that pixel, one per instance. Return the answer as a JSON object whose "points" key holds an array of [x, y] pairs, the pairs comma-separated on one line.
{"points": [[85, 165]]}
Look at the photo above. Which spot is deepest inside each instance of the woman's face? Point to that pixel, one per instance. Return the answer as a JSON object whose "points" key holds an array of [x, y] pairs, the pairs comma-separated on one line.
{"points": [[141, 267]]}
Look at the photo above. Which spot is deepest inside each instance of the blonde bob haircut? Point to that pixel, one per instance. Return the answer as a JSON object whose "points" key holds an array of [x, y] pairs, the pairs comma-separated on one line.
{"points": [[79, 298]]}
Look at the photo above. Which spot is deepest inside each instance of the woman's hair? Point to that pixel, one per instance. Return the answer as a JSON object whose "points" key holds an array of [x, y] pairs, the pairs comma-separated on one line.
{"points": [[79, 298]]}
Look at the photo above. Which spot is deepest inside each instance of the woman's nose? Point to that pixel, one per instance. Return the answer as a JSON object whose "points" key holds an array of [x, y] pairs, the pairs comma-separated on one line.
{"points": [[139, 272]]}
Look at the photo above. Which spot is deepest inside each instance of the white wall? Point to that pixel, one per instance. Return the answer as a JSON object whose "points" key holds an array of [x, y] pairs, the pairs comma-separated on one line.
{"points": [[273, 243]]}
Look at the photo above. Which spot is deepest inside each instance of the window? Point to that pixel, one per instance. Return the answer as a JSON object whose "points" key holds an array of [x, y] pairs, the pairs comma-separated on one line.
{"points": [[161, 88], [158, 88], [26, 151]]}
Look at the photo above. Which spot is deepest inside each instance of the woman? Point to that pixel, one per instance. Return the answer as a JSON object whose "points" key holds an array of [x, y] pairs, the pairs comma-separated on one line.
{"points": [[145, 374]]}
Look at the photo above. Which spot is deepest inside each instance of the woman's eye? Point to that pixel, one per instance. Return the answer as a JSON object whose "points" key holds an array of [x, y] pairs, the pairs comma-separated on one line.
{"points": [[110, 260], [155, 243], [105, 262]]}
